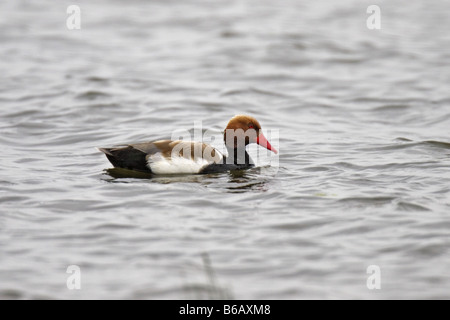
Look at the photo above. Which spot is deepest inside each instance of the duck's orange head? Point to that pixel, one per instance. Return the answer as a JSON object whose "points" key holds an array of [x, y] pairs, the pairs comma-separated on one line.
{"points": [[243, 130]]}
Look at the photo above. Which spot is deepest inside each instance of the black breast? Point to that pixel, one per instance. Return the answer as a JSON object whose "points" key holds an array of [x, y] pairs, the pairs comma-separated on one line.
{"points": [[235, 161]]}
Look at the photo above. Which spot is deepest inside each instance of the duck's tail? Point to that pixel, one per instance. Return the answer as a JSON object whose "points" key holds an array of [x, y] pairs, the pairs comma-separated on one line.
{"points": [[126, 158]]}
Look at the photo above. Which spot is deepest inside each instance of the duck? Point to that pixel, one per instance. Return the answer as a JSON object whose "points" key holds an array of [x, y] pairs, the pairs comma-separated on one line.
{"points": [[168, 157]]}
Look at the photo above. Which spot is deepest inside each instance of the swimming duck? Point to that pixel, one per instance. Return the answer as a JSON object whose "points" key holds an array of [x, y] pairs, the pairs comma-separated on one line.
{"points": [[187, 157]]}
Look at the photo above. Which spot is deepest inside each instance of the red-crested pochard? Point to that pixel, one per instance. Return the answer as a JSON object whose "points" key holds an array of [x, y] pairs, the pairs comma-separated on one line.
{"points": [[186, 157]]}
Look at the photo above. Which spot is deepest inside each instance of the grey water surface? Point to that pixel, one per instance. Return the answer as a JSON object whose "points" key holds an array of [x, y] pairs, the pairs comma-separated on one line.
{"points": [[362, 177]]}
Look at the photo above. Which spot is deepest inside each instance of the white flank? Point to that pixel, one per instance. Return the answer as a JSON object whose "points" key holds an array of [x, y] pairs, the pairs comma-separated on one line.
{"points": [[178, 164]]}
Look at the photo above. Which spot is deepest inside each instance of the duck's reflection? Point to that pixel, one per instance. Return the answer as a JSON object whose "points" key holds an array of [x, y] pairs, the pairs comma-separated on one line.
{"points": [[236, 181], [245, 180], [119, 173]]}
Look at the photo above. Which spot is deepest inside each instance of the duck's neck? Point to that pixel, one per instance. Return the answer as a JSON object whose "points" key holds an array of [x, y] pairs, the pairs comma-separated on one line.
{"points": [[238, 156]]}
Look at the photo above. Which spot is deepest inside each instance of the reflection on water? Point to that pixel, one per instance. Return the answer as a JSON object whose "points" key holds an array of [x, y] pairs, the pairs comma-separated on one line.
{"points": [[237, 181], [119, 173], [246, 180]]}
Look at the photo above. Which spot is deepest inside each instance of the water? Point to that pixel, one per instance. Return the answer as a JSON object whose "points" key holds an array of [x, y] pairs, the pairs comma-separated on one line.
{"points": [[364, 164]]}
